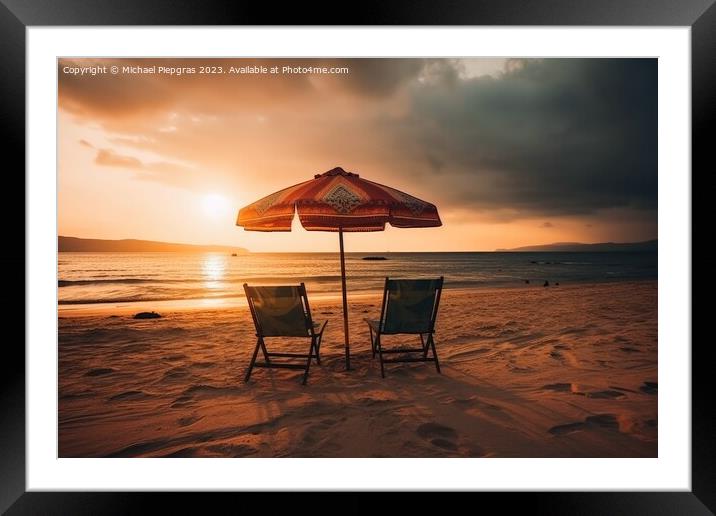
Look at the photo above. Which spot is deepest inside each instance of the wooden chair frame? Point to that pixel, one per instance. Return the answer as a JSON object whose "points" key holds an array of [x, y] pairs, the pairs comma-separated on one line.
{"points": [[311, 333], [427, 341]]}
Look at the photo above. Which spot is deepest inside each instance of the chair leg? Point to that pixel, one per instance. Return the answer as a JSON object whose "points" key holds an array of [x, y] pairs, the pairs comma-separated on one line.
{"points": [[435, 353], [380, 355], [310, 357], [264, 351], [372, 342], [425, 348], [318, 348], [253, 360]]}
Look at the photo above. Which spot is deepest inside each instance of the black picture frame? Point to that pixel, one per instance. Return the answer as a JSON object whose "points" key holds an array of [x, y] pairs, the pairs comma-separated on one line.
{"points": [[16, 15]]}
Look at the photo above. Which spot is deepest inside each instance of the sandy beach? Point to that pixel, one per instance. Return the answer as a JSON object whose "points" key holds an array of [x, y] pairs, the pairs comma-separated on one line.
{"points": [[566, 371]]}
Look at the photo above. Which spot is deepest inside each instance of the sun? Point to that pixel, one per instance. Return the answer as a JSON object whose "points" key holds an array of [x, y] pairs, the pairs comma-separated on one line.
{"points": [[214, 205]]}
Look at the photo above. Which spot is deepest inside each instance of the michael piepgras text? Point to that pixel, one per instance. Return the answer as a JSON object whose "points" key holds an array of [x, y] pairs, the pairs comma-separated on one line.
{"points": [[204, 70]]}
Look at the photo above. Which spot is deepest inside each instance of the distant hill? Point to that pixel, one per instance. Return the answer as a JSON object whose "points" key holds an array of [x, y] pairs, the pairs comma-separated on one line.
{"points": [[67, 244], [575, 247]]}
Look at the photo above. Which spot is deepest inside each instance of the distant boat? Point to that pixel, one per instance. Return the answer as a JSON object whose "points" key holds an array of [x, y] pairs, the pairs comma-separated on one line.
{"points": [[234, 254], [374, 258]]}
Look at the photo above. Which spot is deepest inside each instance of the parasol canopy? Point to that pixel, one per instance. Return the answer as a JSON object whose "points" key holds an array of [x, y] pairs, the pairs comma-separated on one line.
{"points": [[339, 201]]}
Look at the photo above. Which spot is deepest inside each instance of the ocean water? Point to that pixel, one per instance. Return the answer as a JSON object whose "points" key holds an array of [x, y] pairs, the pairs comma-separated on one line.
{"points": [[130, 277]]}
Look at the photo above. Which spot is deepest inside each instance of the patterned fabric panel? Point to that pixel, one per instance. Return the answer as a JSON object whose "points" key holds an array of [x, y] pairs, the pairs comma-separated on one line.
{"points": [[337, 199]]}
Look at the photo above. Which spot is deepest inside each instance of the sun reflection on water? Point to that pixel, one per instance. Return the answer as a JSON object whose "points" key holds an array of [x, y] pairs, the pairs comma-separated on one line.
{"points": [[214, 269]]}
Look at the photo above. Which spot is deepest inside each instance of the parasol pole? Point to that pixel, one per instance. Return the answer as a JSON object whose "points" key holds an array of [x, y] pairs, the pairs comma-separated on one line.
{"points": [[345, 300]]}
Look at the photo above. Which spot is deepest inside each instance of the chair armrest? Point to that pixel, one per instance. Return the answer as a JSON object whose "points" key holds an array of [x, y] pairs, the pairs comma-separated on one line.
{"points": [[321, 325], [375, 325]]}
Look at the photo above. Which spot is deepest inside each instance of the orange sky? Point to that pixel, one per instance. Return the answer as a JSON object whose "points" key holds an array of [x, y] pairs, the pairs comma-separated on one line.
{"points": [[172, 158]]}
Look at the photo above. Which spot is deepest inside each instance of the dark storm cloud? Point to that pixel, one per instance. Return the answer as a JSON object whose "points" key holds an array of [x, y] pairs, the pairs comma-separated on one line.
{"points": [[378, 77], [552, 136]]}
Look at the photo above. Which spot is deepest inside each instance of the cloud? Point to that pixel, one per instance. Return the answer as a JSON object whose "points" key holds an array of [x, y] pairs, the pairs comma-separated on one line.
{"points": [[436, 164], [160, 171], [109, 158], [380, 77], [545, 138], [118, 98], [549, 136]]}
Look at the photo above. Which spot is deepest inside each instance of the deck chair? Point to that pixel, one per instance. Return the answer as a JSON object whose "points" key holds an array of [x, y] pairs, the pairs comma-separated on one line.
{"points": [[283, 311], [409, 307]]}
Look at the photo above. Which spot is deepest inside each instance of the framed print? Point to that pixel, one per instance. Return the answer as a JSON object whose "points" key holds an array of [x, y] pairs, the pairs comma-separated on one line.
{"points": [[449, 257]]}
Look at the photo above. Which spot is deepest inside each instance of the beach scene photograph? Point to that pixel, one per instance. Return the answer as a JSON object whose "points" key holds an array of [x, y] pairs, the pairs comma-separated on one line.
{"points": [[357, 258]]}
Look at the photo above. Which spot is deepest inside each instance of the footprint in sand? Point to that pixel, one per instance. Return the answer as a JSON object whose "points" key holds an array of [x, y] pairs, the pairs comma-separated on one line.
{"points": [[309, 438], [566, 429], [100, 371], [627, 349], [606, 395], [558, 387], [215, 450], [476, 451], [444, 443], [189, 420], [202, 365], [439, 435], [649, 388], [232, 450], [607, 421], [624, 389], [429, 430], [77, 395], [568, 387], [603, 421], [129, 395], [368, 401], [190, 451], [175, 373], [176, 356]]}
